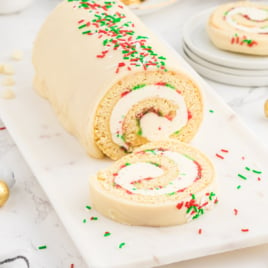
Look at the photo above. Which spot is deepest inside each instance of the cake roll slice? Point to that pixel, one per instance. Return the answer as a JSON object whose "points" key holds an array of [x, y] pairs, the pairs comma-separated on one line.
{"points": [[240, 27], [161, 183], [111, 82]]}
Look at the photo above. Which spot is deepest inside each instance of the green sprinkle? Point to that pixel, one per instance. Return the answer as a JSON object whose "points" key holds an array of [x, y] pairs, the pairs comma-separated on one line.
{"points": [[127, 164], [195, 216], [141, 37], [211, 195], [238, 186], [151, 151], [169, 85], [248, 41], [187, 156], [211, 111], [195, 208], [122, 244], [247, 168], [138, 86], [94, 218], [105, 42], [84, 5], [82, 26], [42, 247], [86, 32], [123, 137], [256, 171], [176, 132], [139, 132], [88, 207], [193, 196], [107, 234], [189, 209], [84, 220], [171, 193], [242, 177], [155, 164]]}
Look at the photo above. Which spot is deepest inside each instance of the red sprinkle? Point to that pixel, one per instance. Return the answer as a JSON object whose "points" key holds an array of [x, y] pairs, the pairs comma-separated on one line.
{"points": [[190, 116], [2, 128], [72, 265], [224, 151], [235, 211], [125, 93], [180, 205], [200, 231], [161, 83], [244, 230], [219, 156]]}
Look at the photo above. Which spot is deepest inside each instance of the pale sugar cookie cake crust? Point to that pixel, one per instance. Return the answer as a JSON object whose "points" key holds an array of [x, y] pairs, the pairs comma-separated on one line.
{"points": [[161, 183], [112, 83], [240, 27]]}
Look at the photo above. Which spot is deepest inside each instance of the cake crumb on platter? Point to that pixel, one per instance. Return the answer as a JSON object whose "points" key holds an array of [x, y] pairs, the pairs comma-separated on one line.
{"points": [[8, 81], [8, 69], [7, 94], [1, 68], [17, 55]]}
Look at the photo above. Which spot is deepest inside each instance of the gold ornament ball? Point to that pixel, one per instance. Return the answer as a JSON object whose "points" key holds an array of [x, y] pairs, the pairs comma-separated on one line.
{"points": [[4, 193], [266, 108]]}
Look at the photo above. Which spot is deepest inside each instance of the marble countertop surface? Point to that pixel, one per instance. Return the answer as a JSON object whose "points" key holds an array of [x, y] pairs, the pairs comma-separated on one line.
{"points": [[28, 220]]}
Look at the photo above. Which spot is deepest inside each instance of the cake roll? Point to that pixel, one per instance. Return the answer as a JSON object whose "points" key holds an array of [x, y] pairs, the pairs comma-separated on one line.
{"points": [[161, 183], [112, 83], [240, 27]]}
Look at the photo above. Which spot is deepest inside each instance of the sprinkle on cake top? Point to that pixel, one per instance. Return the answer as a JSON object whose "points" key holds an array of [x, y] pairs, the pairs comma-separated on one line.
{"points": [[111, 25]]}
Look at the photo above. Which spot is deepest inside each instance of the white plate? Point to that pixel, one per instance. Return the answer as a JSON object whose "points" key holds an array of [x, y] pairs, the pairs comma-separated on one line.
{"points": [[196, 38], [62, 168], [223, 69], [150, 6], [225, 78]]}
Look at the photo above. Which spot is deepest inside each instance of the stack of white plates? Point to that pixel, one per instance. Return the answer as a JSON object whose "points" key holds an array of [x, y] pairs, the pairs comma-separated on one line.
{"points": [[218, 65]]}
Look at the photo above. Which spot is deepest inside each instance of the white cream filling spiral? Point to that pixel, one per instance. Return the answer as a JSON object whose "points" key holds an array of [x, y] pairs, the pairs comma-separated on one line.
{"points": [[188, 172], [153, 126], [253, 13]]}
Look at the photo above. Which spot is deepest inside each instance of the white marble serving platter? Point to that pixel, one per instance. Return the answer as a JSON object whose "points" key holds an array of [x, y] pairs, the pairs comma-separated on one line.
{"points": [[63, 169]]}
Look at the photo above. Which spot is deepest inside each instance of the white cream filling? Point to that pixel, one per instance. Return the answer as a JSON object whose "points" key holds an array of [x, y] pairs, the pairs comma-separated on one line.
{"points": [[188, 172], [253, 13], [153, 126]]}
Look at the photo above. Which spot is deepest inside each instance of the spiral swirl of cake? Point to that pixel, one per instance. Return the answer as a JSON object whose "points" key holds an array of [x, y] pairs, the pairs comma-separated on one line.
{"points": [[161, 183], [240, 27], [112, 83]]}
